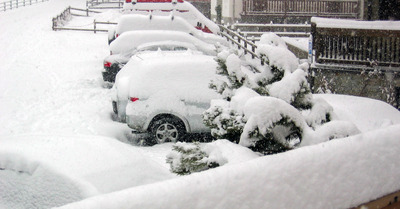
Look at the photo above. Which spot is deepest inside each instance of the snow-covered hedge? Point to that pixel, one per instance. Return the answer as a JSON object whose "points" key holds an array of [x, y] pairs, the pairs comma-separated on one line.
{"points": [[268, 105]]}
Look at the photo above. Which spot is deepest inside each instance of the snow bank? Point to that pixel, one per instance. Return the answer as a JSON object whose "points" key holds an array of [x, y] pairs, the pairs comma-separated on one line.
{"points": [[327, 175], [367, 114], [28, 184], [72, 167]]}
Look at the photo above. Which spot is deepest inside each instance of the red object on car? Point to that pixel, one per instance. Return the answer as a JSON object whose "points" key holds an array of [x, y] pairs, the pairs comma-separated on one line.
{"points": [[133, 99], [107, 64]]}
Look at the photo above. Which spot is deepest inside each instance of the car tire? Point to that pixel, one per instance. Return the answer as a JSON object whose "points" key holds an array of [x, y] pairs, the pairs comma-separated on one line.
{"points": [[167, 130]]}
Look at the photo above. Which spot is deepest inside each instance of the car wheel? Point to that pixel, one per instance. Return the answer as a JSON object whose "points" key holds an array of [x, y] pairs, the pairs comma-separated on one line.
{"points": [[167, 130]]}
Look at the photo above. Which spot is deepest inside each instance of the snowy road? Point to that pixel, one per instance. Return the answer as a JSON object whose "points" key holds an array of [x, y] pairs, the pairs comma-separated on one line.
{"points": [[51, 81]]}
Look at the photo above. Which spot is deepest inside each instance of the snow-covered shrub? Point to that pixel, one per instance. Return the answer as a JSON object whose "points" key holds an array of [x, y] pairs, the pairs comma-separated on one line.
{"points": [[272, 126], [189, 158], [267, 105]]}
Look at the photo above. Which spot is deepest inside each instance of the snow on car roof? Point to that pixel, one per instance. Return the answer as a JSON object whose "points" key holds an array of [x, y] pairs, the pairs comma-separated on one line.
{"points": [[186, 76], [153, 22], [130, 40], [182, 9]]}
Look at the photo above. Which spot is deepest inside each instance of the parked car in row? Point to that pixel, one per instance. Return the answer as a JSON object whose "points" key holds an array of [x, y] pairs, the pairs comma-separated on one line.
{"points": [[121, 96], [176, 8], [132, 42], [168, 94], [134, 22]]}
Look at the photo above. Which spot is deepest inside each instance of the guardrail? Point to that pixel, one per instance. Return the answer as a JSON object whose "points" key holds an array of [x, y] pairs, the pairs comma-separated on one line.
{"points": [[288, 30], [305, 8], [356, 46], [14, 4], [239, 41]]}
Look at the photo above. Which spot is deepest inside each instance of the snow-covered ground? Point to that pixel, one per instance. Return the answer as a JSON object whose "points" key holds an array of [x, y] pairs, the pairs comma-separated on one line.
{"points": [[59, 144]]}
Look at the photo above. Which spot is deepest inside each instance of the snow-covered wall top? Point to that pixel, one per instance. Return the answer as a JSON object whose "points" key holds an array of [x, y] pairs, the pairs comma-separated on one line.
{"points": [[355, 24]]}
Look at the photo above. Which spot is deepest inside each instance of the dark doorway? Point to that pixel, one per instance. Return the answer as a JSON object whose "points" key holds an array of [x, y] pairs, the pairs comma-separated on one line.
{"points": [[397, 97]]}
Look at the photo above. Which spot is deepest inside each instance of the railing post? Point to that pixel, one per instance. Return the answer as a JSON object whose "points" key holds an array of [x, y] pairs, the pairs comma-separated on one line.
{"points": [[94, 25]]}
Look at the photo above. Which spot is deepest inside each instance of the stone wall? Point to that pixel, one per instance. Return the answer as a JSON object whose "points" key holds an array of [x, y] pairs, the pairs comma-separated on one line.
{"points": [[376, 83]]}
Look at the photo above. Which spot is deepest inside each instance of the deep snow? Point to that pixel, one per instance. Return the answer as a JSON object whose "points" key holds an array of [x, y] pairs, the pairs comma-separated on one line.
{"points": [[59, 144]]}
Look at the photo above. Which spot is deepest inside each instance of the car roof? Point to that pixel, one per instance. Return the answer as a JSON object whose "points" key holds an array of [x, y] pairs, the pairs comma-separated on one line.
{"points": [[132, 39], [131, 22]]}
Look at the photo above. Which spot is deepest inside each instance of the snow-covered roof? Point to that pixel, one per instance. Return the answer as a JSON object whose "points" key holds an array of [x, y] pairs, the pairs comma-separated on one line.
{"points": [[355, 24]]}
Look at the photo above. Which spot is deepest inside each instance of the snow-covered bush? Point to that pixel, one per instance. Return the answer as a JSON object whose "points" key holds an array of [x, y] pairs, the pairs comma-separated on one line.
{"points": [[267, 105], [189, 158]]}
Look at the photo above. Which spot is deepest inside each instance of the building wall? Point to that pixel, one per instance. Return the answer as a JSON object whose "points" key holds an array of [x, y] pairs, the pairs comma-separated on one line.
{"points": [[380, 85], [231, 9]]}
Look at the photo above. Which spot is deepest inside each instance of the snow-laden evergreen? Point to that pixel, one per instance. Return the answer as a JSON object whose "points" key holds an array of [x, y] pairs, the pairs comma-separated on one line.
{"points": [[268, 105]]}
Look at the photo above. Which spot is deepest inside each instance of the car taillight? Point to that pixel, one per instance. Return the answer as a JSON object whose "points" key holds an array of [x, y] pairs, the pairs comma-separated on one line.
{"points": [[128, 1], [133, 99], [107, 64]]}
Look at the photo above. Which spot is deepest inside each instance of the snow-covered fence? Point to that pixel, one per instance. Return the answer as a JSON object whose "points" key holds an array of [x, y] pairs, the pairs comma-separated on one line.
{"points": [[104, 4], [14, 4], [65, 16], [288, 30], [351, 42], [305, 8]]}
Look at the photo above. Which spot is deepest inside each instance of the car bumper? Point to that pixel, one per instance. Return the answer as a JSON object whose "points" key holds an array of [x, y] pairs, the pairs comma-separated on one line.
{"points": [[136, 123]]}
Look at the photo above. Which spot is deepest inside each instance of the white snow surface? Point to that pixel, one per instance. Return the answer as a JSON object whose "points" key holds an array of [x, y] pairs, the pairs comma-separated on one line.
{"points": [[367, 25], [182, 9], [130, 40], [59, 144], [337, 174]]}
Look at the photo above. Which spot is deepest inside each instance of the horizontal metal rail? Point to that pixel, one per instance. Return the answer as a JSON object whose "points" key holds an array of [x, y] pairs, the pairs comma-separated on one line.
{"points": [[14, 4]]}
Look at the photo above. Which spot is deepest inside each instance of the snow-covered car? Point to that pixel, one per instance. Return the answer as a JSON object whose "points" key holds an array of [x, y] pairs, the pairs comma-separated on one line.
{"points": [[179, 8], [121, 86], [134, 22], [166, 93], [131, 42]]}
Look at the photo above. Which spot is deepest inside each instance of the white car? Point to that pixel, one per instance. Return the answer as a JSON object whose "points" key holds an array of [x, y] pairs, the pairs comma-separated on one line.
{"points": [[179, 8], [168, 95], [135, 22], [120, 88], [131, 42]]}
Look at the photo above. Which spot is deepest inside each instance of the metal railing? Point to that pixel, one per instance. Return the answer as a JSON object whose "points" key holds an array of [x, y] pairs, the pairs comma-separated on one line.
{"points": [[308, 8], [66, 15], [14, 4], [288, 30], [353, 46]]}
